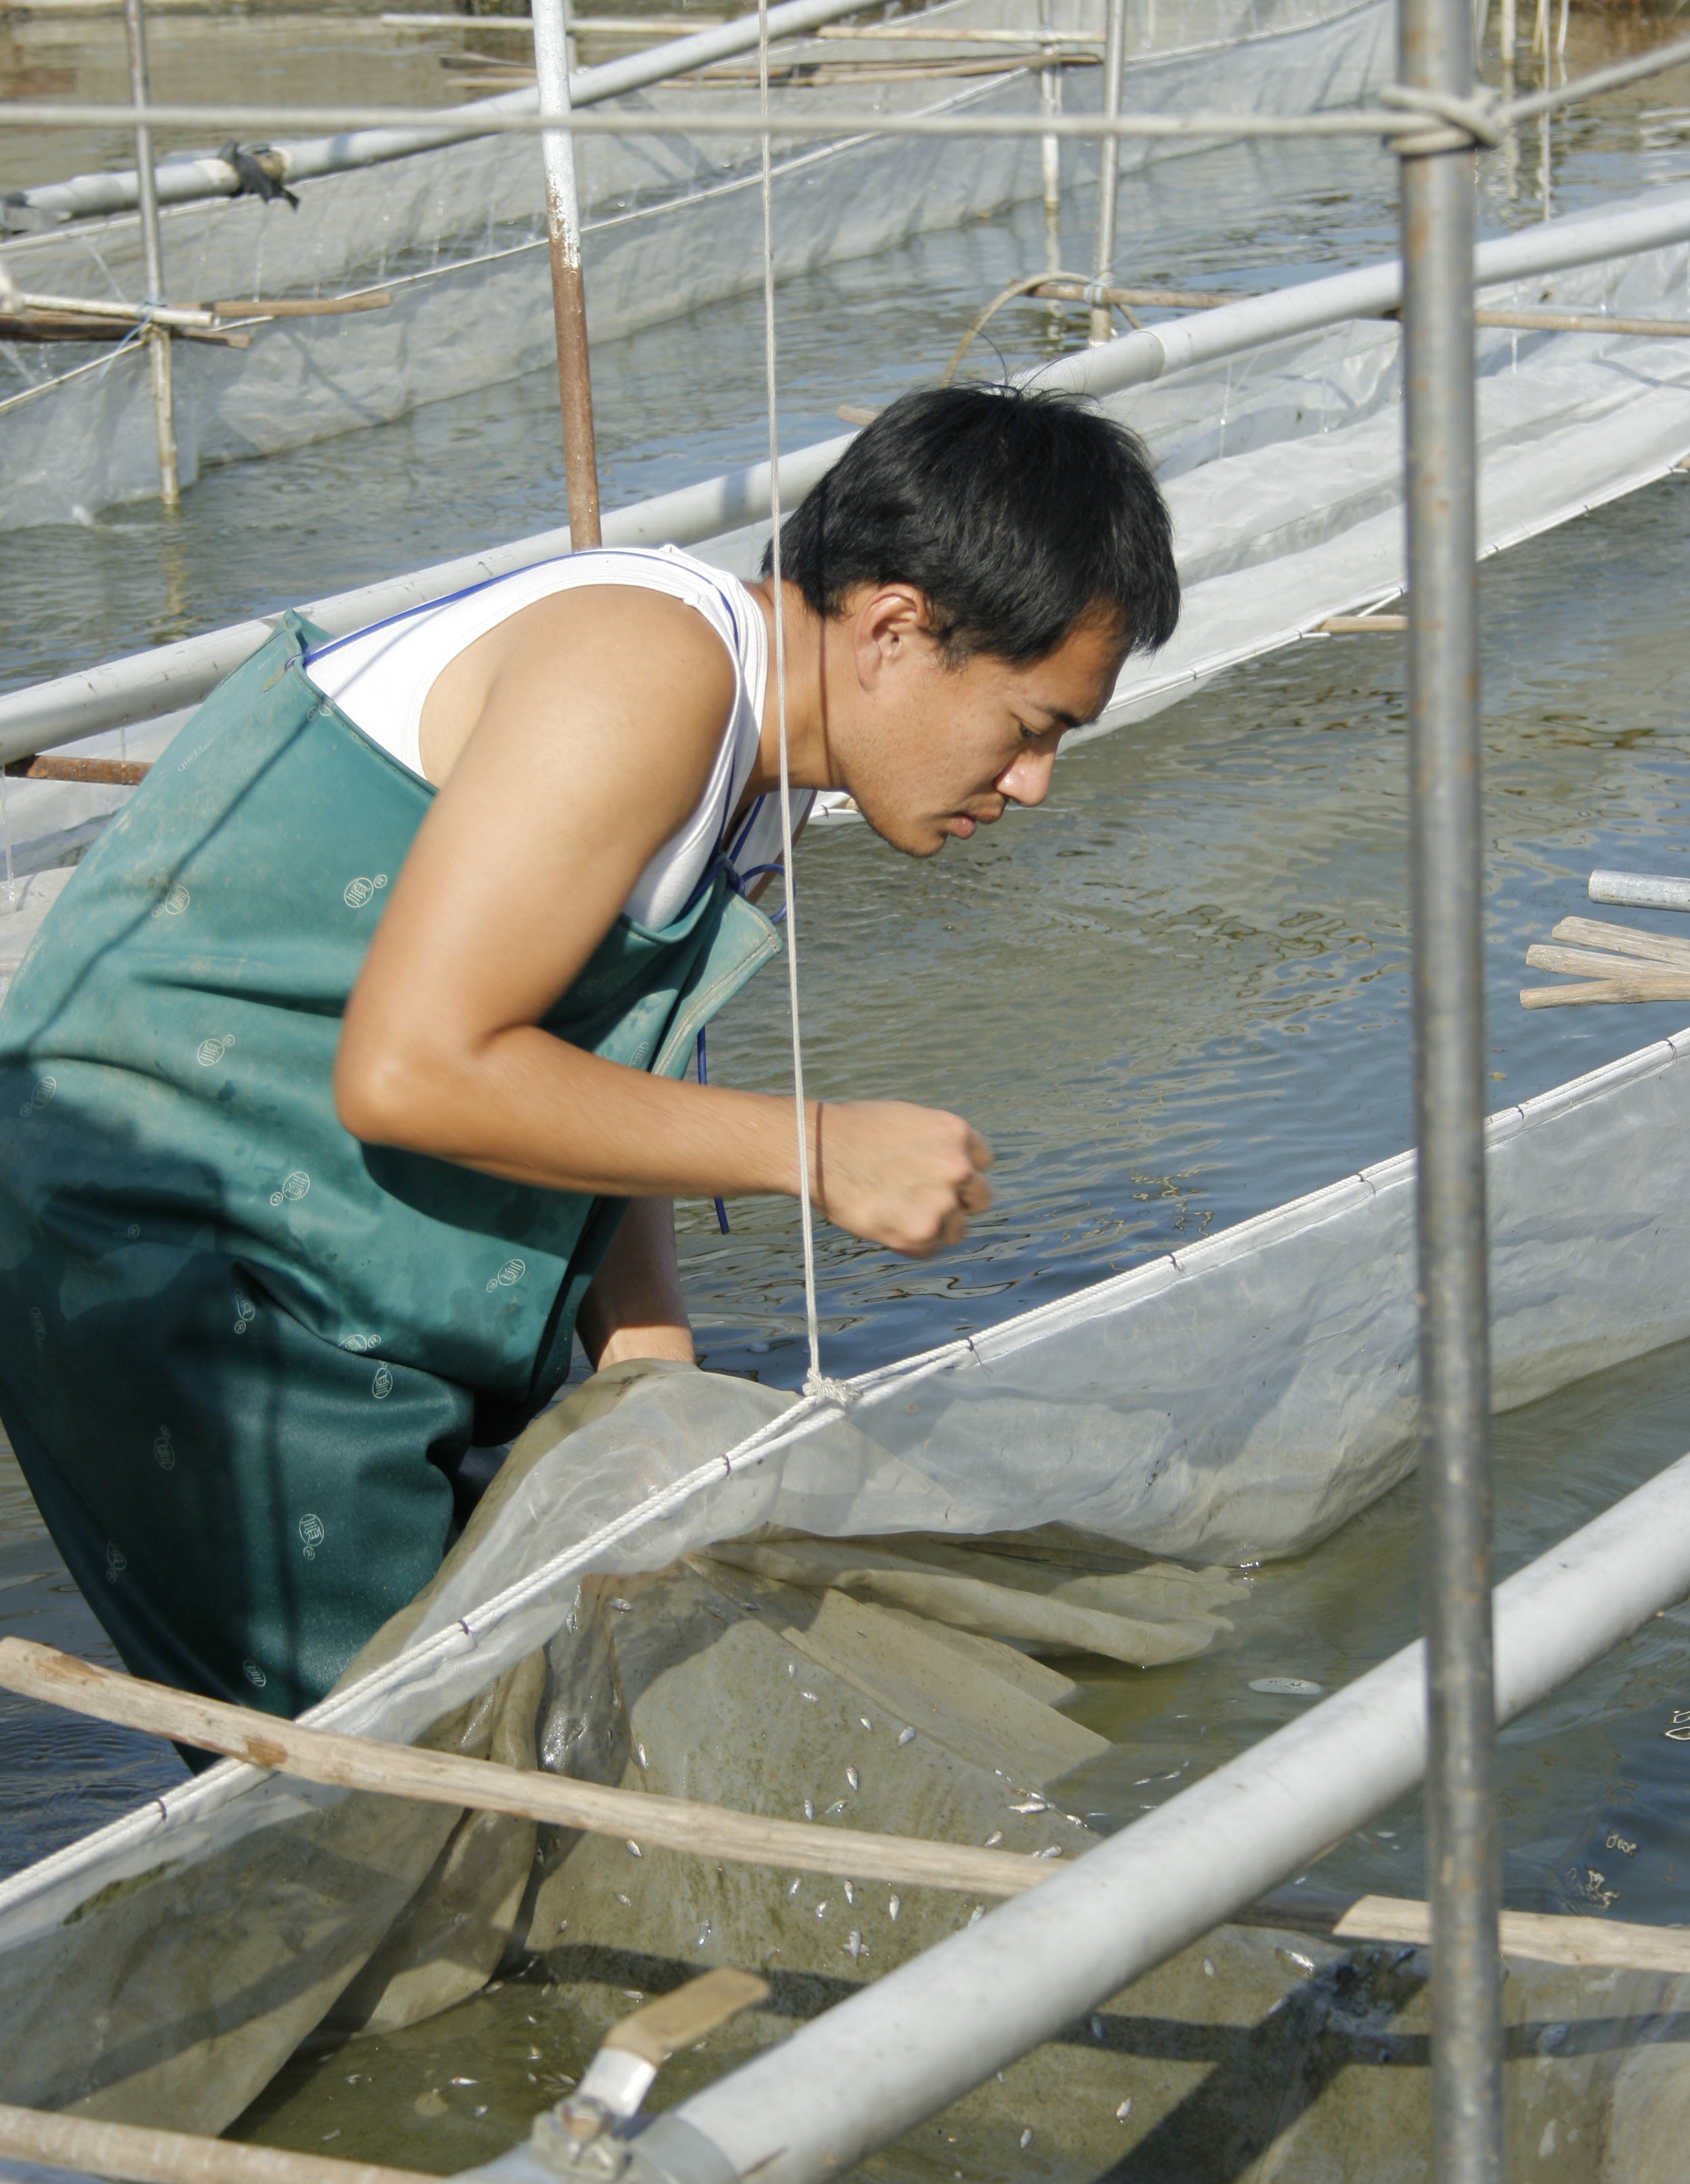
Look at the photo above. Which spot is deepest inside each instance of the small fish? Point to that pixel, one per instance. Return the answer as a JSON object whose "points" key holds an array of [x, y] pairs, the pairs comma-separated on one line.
{"points": [[866, 1723], [793, 1890], [1288, 1687], [821, 1908], [639, 1758], [837, 1806], [810, 1695], [854, 1944], [976, 1915], [853, 1781], [1124, 2110], [464, 2081], [621, 1899], [1032, 1805], [1097, 2028], [703, 1935], [1050, 1850], [809, 1808], [634, 1850], [622, 1606], [894, 1904], [1208, 1968], [906, 1736], [1026, 2138], [994, 1838], [850, 1893], [791, 1668]]}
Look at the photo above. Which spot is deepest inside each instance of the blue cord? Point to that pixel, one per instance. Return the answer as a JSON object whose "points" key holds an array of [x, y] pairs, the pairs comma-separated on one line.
{"points": [[721, 1210]]}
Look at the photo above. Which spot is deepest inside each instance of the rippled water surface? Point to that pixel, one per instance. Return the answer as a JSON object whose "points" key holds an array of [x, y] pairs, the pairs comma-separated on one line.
{"points": [[1174, 996]]}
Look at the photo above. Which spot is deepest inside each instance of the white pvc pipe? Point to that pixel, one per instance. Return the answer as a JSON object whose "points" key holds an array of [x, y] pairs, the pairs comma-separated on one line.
{"points": [[122, 692], [874, 2067], [1640, 890], [183, 182]]}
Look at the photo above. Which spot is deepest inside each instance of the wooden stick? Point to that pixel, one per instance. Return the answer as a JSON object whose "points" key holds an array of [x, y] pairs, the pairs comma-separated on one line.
{"points": [[139, 2156], [1634, 987], [1625, 940], [1671, 979], [125, 772], [1543, 1938], [1172, 299], [1580, 322], [305, 307], [356, 1763], [1357, 625]]}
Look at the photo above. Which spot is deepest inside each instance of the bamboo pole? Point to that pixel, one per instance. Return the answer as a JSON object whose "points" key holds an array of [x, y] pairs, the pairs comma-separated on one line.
{"points": [[1634, 986], [157, 342], [1360, 625], [714, 1831], [136, 2155], [354, 1762], [1109, 160], [568, 293], [124, 772]]}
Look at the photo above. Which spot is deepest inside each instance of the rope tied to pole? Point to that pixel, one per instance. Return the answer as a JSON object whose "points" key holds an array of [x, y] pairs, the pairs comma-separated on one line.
{"points": [[1473, 124]]}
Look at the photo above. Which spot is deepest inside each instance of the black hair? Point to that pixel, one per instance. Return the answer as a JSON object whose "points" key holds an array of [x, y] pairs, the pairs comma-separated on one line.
{"points": [[1015, 512]]}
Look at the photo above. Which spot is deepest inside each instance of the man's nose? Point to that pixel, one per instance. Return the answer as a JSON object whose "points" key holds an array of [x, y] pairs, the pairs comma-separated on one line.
{"points": [[1027, 779]]}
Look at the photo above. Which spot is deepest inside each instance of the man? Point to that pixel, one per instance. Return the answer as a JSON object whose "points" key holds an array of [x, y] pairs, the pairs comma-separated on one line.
{"points": [[342, 1089]]}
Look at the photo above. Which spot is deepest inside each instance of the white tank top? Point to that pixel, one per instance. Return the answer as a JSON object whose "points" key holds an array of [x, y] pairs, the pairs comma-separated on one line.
{"points": [[380, 677]]}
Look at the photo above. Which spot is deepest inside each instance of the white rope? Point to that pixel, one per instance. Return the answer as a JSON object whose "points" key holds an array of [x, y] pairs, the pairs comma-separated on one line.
{"points": [[816, 1383]]}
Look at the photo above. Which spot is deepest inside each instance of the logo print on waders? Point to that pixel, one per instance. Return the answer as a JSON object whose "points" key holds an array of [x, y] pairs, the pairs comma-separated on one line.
{"points": [[246, 1311], [116, 1562], [357, 1344], [254, 1674], [310, 1534], [382, 1384], [508, 1275], [174, 903], [294, 1188], [356, 892], [40, 1097], [165, 1450], [210, 1051]]}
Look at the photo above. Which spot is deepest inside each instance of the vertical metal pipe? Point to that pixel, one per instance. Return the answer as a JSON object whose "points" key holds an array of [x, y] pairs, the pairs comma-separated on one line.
{"points": [[569, 294], [1050, 102], [151, 244], [1109, 160], [1463, 1869]]}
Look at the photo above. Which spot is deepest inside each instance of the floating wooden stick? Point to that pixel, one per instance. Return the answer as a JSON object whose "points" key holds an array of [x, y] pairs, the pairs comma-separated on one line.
{"points": [[304, 307], [1635, 986], [1625, 940], [1541, 1937], [1357, 625], [1670, 978], [139, 2156], [1580, 322]]}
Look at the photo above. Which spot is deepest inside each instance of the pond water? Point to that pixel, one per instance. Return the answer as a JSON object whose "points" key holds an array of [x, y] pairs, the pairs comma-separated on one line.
{"points": [[1176, 995]]}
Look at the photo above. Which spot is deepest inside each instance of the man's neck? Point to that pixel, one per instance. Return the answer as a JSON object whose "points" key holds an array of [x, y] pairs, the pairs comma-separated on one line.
{"points": [[807, 755]]}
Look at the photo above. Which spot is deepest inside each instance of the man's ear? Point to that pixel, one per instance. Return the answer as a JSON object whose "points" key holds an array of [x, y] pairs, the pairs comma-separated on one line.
{"points": [[888, 623]]}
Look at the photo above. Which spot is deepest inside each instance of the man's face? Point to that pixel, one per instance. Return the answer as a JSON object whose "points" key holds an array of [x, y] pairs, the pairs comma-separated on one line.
{"points": [[928, 751]]}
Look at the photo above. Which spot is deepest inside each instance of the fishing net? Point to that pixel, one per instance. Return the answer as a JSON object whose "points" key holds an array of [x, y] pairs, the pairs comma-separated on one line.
{"points": [[1236, 1400]]}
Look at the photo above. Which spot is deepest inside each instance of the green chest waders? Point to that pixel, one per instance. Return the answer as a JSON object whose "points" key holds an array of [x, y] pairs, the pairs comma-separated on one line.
{"points": [[237, 1346]]}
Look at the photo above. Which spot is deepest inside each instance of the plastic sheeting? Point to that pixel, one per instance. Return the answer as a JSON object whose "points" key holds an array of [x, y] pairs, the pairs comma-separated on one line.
{"points": [[1231, 1402], [456, 236]]}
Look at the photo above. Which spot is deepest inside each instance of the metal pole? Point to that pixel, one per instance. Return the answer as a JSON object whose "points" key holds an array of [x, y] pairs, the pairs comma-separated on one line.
{"points": [[158, 340], [910, 2042], [1463, 1868], [1109, 161], [568, 295]]}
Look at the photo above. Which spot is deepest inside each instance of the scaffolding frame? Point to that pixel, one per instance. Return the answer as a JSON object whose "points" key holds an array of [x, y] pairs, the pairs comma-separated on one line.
{"points": [[1436, 119]]}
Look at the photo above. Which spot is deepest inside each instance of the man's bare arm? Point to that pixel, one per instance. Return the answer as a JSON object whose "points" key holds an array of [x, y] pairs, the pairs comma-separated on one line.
{"points": [[591, 740]]}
